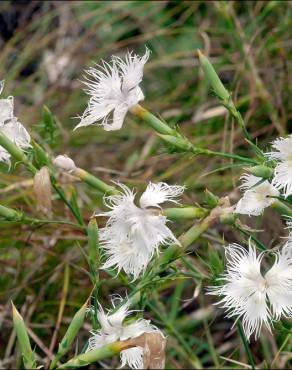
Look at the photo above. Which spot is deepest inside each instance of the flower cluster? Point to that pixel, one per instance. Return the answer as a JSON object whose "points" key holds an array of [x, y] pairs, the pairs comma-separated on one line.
{"points": [[133, 234], [113, 328], [255, 298], [10, 127]]}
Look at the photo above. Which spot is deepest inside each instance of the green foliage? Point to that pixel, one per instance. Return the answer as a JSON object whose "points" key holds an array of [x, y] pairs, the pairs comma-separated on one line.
{"points": [[48, 128], [248, 62]]}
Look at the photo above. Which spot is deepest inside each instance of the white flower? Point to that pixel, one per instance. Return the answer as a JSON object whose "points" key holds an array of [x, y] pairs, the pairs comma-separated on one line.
{"points": [[15, 131], [132, 234], [6, 107], [283, 171], [10, 127], [256, 197], [255, 298], [113, 328], [113, 90]]}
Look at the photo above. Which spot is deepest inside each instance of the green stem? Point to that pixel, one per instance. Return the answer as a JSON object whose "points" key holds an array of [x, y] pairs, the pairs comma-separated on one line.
{"points": [[90, 357], [10, 214], [184, 213], [153, 121], [19, 155], [176, 139], [245, 344], [16, 153], [95, 182], [282, 208]]}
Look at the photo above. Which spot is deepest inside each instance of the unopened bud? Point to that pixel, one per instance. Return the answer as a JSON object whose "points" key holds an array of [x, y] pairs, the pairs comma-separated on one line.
{"points": [[213, 78], [63, 162], [211, 199], [261, 171], [43, 191]]}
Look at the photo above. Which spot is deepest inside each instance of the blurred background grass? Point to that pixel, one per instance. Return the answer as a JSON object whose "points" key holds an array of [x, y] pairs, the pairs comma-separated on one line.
{"points": [[44, 48]]}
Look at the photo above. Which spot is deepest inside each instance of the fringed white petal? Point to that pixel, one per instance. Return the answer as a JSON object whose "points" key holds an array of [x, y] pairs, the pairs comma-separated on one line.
{"points": [[243, 291], [283, 177], [256, 197], [15, 131], [6, 110], [279, 282], [137, 328], [155, 194], [283, 149], [132, 69], [113, 90], [128, 257], [4, 156], [132, 235], [256, 313], [119, 114], [133, 357], [248, 181], [113, 328]]}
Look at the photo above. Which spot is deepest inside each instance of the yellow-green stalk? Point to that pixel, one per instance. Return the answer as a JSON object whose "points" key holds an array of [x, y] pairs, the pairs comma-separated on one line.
{"points": [[184, 213], [70, 335], [173, 137], [10, 214], [154, 122], [281, 208], [102, 353], [93, 241], [15, 152], [94, 182], [23, 340]]}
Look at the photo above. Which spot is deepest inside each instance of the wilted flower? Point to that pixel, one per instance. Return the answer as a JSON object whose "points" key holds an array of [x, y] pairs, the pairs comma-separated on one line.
{"points": [[258, 194], [283, 171], [43, 190], [10, 127], [63, 162], [255, 298], [132, 234], [113, 328], [113, 90]]}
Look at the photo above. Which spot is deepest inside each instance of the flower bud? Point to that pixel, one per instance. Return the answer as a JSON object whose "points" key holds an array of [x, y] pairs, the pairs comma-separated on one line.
{"points": [[63, 162], [261, 171], [211, 199], [213, 78]]}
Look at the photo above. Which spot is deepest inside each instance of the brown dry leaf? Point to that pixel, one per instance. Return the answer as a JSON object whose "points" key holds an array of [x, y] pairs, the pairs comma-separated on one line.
{"points": [[154, 349], [43, 191]]}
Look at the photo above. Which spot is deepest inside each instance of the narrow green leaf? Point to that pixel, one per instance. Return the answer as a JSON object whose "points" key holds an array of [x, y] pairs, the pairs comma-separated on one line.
{"points": [[23, 340]]}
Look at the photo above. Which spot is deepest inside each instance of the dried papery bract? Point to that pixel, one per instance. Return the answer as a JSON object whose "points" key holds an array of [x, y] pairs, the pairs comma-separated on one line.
{"points": [[153, 345], [43, 191]]}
